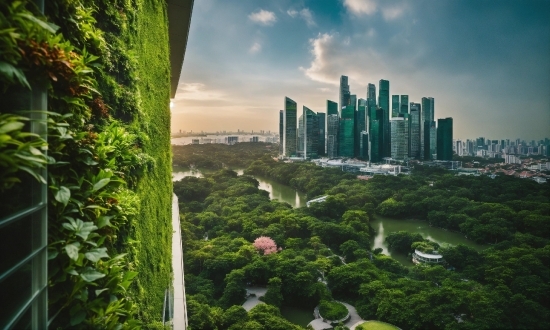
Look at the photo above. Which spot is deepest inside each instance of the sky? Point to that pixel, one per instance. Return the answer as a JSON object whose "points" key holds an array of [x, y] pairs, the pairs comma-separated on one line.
{"points": [[486, 63]]}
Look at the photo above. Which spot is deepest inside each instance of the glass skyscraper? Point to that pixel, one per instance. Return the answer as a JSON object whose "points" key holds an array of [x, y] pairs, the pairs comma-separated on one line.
{"points": [[346, 136], [332, 108], [399, 138], [281, 131], [384, 103], [344, 93], [445, 139], [321, 123], [290, 128], [375, 134], [404, 109], [414, 130], [301, 136], [332, 135], [395, 106], [426, 120], [311, 133], [360, 126]]}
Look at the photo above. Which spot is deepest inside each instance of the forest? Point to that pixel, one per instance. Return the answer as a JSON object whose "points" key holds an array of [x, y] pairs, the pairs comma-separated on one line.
{"points": [[504, 286]]}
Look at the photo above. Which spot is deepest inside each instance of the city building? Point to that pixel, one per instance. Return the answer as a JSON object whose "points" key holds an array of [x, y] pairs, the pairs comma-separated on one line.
{"points": [[290, 136], [345, 97], [371, 95], [404, 104], [384, 104], [375, 134], [360, 126], [426, 121], [346, 134], [301, 137], [395, 106], [364, 145], [445, 139], [332, 135], [321, 123], [414, 130], [231, 140], [281, 131], [311, 133], [399, 138], [332, 108]]}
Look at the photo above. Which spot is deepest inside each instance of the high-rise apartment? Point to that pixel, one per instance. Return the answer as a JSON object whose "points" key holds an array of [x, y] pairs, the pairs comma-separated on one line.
{"points": [[399, 138], [414, 130], [384, 103], [426, 119], [344, 93], [290, 128], [321, 123], [332, 135], [445, 139], [346, 134]]}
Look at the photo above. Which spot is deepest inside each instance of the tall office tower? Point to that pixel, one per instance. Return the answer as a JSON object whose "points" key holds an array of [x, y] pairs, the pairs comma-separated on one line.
{"points": [[290, 128], [360, 125], [364, 145], [353, 101], [414, 130], [281, 131], [432, 141], [346, 134], [311, 134], [384, 103], [445, 139], [301, 136], [459, 148], [371, 94], [344, 94], [332, 108], [426, 119], [332, 135], [321, 124], [395, 106], [404, 104], [399, 138]]}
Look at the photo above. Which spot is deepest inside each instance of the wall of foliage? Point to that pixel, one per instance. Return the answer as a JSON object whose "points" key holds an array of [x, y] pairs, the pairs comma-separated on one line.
{"points": [[105, 65]]}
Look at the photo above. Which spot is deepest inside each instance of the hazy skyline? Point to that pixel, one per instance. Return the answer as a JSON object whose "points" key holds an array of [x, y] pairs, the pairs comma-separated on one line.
{"points": [[487, 64]]}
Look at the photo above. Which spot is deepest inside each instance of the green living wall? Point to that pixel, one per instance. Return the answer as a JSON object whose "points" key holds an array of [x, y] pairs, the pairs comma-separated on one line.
{"points": [[105, 67]]}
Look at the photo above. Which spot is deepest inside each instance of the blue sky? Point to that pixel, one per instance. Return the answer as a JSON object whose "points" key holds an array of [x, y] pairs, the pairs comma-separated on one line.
{"points": [[486, 63]]}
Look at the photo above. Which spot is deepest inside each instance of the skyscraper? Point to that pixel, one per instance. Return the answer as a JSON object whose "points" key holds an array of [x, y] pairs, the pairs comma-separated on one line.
{"points": [[332, 135], [395, 106], [321, 124], [301, 136], [445, 139], [404, 104], [399, 138], [375, 134], [311, 133], [290, 128], [332, 108], [344, 93], [353, 101], [414, 130], [384, 103], [360, 125], [426, 119], [346, 134], [371, 94], [364, 145], [281, 132]]}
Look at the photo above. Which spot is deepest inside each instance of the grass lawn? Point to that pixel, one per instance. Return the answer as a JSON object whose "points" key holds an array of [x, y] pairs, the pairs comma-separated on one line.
{"points": [[375, 325]]}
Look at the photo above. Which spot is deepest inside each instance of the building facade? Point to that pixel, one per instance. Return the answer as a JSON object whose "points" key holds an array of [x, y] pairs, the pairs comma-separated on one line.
{"points": [[290, 138], [311, 133], [384, 104], [399, 138], [426, 119], [321, 123], [345, 97], [445, 139], [346, 133], [414, 130], [332, 135]]}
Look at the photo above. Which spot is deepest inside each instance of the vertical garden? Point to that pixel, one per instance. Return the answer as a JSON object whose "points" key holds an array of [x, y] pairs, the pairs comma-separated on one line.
{"points": [[104, 67]]}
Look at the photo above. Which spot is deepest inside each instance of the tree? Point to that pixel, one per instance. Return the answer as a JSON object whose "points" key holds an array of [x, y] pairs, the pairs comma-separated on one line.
{"points": [[273, 296], [265, 245]]}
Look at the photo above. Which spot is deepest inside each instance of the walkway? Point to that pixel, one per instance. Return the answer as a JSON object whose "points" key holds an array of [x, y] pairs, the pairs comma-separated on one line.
{"points": [[180, 305], [354, 319], [252, 301]]}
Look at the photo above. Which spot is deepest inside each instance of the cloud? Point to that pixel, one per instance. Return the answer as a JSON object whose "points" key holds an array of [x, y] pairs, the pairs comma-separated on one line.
{"points": [[391, 13], [360, 7], [305, 14], [323, 68], [196, 91], [255, 48], [263, 17]]}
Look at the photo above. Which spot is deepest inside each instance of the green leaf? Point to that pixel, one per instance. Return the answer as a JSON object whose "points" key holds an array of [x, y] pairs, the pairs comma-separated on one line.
{"points": [[78, 318], [101, 183], [95, 254], [90, 274], [11, 126], [63, 195], [12, 72], [72, 250], [45, 25], [104, 221], [85, 228], [98, 292]]}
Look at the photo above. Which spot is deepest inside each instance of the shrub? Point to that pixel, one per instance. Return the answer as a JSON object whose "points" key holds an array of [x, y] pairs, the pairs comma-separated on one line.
{"points": [[332, 310]]}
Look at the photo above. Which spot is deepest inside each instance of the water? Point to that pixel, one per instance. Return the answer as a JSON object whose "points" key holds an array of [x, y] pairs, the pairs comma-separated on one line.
{"points": [[385, 226], [297, 315], [276, 190]]}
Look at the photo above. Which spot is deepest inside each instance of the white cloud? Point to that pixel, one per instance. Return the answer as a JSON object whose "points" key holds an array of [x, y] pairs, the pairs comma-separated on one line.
{"points": [[391, 13], [196, 91], [305, 14], [360, 7], [323, 68], [263, 17], [255, 48]]}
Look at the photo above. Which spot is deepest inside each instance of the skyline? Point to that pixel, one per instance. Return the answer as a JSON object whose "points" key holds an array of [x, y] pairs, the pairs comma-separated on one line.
{"points": [[244, 58]]}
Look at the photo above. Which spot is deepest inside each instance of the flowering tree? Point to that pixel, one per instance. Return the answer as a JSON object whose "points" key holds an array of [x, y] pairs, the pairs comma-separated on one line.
{"points": [[265, 245]]}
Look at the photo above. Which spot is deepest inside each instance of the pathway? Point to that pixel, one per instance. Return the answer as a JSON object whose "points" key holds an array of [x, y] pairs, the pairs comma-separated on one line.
{"points": [[180, 305], [252, 301]]}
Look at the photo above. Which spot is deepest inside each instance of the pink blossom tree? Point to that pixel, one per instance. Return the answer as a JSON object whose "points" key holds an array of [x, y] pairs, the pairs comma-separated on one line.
{"points": [[265, 245]]}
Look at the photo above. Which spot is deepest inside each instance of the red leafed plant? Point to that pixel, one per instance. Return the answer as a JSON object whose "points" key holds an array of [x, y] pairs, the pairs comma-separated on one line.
{"points": [[265, 245]]}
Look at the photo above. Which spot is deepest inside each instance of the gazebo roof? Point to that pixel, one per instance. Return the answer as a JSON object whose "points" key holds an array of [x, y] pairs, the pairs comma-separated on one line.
{"points": [[427, 255]]}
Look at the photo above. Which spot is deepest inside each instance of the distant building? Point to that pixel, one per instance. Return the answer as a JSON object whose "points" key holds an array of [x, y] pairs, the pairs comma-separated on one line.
{"points": [[427, 120], [333, 126], [281, 131], [445, 139], [290, 136], [375, 134], [345, 97], [346, 134], [195, 141], [395, 106], [311, 133], [414, 131], [426, 258], [360, 126], [321, 124], [399, 138], [384, 104], [231, 140], [332, 108], [404, 109]]}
